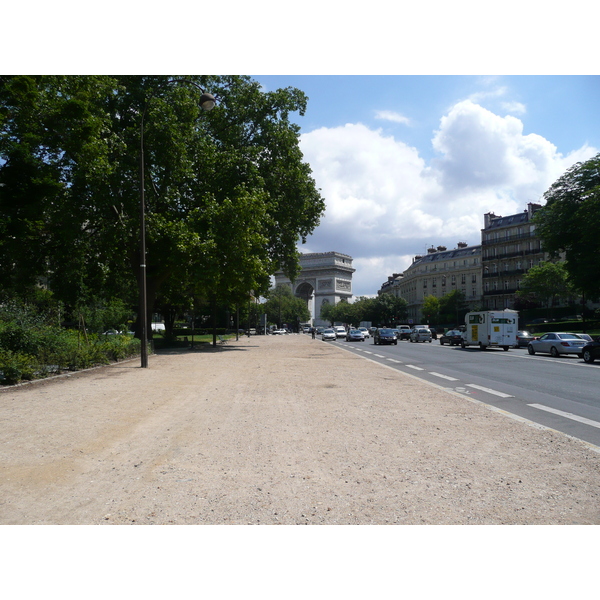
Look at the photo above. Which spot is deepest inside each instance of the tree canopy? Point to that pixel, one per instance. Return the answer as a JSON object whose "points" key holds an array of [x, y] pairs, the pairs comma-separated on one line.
{"points": [[570, 221], [228, 195], [548, 282]]}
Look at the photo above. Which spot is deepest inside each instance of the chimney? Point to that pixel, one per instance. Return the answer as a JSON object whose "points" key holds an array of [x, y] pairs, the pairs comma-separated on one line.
{"points": [[531, 208], [462, 244], [441, 248], [488, 218], [431, 250]]}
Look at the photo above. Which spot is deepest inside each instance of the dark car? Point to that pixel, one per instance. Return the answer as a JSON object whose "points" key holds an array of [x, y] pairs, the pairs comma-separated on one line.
{"points": [[385, 336], [452, 337], [591, 351], [523, 338]]}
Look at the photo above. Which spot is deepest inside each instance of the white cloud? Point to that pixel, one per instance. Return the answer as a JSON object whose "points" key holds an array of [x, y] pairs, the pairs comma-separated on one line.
{"points": [[388, 115], [385, 204], [516, 108]]}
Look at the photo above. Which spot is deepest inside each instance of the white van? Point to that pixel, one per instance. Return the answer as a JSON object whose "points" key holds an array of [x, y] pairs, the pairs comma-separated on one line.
{"points": [[492, 328]]}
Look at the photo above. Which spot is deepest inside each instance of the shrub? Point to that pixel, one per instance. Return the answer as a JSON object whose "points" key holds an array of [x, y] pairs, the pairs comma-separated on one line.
{"points": [[16, 366]]}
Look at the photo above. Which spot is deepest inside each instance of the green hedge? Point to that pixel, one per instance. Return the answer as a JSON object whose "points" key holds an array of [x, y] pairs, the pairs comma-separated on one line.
{"points": [[34, 352]]}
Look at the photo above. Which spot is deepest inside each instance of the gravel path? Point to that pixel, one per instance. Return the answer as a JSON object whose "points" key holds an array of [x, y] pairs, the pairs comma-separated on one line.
{"points": [[278, 430]]}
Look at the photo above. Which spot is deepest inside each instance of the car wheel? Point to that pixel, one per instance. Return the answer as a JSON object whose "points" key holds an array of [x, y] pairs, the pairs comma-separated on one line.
{"points": [[441, 342], [395, 342], [587, 357], [554, 352], [481, 346], [462, 345], [430, 341], [530, 349]]}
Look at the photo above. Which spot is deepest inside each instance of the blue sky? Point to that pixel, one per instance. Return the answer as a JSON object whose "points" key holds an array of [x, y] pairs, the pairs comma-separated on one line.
{"points": [[410, 153], [409, 162]]}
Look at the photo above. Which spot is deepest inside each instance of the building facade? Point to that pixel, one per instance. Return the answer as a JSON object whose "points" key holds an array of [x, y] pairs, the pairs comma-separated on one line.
{"points": [[510, 248], [325, 277], [438, 273]]}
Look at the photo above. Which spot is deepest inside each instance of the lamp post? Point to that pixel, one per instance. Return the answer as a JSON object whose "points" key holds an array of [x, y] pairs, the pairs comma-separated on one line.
{"points": [[207, 102]]}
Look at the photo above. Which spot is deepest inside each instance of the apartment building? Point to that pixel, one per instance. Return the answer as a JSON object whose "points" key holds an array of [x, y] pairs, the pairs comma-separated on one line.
{"points": [[510, 248], [437, 273]]}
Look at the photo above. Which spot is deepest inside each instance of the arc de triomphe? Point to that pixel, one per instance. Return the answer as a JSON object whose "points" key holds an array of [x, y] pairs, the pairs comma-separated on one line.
{"points": [[325, 277]]}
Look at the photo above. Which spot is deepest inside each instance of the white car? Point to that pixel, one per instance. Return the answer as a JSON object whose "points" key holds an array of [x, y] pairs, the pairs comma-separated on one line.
{"points": [[340, 331], [328, 334], [279, 332], [365, 332]]}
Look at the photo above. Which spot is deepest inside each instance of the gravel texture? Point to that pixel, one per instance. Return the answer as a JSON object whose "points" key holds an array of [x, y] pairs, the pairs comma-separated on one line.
{"points": [[278, 430]]}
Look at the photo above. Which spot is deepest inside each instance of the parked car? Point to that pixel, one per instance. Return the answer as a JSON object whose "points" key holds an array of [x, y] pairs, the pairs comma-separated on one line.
{"points": [[420, 334], [591, 351], [556, 343], [280, 332], [385, 336], [340, 331], [523, 339], [328, 334], [365, 332], [355, 335], [452, 337]]}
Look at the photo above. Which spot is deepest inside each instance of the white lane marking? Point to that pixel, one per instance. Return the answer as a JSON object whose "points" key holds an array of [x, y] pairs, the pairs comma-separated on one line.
{"points": [[379, 355], [484, 389], [395, 361], [443, 376], [415, 368], [566, 414], [368, 352]]}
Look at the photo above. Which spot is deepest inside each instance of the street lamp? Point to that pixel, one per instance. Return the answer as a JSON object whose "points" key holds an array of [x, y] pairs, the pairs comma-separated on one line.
{"points": [[207, 102]]}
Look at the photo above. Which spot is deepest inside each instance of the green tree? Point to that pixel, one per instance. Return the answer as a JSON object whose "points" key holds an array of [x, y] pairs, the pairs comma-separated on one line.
{"points": [[431, 309], [453, 307], [283, 307], [228, 194], [388, 309], [548, 282], [569, 222]]}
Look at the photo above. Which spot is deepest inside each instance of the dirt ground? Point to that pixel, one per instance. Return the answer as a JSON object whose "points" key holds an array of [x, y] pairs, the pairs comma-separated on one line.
{"points": [[278, 430]]}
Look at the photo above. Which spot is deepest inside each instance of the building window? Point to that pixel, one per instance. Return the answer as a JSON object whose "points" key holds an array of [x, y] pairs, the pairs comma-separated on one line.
{"points": [[434, 282], [424, 283], [463, 279], [486, 286], [506, 285], [453, 279], [473, 278]]}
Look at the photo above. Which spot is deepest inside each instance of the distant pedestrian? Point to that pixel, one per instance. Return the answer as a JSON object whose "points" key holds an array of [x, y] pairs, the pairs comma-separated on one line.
{"points": [[314, 331]]}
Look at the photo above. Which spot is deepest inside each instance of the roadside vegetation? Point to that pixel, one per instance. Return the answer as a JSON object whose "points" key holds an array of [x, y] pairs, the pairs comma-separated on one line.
{"points": [[34, 346]]}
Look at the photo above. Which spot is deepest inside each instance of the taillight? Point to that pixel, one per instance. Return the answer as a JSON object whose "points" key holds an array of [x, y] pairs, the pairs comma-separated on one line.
{"points": [[564, 343]]}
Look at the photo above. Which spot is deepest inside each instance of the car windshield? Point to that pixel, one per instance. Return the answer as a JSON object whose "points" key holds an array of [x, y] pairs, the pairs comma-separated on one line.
{"points": [[386, 331], [328, 331]]}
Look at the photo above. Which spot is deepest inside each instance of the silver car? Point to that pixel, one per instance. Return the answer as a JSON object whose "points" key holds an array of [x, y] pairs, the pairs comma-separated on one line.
{"points": [[354, 335], [328, 334], [420, 334], [556, 343]]}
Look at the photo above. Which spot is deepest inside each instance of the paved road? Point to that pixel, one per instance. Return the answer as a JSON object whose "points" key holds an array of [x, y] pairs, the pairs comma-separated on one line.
{"points": [[561, 393]]}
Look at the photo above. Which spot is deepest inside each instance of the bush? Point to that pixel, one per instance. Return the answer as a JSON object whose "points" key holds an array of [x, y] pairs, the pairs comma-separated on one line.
{"points": [[16, 366]]}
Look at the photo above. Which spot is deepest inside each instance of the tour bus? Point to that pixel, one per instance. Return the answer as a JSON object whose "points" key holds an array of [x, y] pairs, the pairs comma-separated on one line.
{"points": [[492, 328]]}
